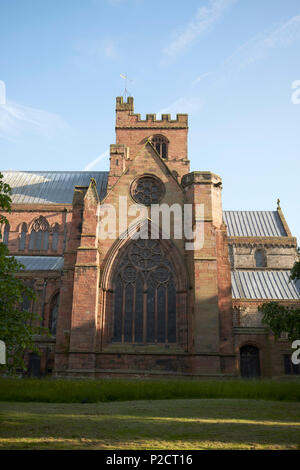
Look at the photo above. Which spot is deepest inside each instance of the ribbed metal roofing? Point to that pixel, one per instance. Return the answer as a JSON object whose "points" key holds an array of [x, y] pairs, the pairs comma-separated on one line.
{"points": [[264, 285], [253, 224], [48, 187], [41, 263]]}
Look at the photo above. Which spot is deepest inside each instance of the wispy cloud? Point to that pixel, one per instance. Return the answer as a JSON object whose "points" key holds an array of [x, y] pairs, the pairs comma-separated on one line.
{"points": [[200, 78], [204, 20], [16, 120], [94, 162], [255, 49], [258, 47]]}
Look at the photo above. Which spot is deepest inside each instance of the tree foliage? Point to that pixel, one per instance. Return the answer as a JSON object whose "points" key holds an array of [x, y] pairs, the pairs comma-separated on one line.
{"points": [[295, 272], [17, 324], [282, 319], [5, 200]]}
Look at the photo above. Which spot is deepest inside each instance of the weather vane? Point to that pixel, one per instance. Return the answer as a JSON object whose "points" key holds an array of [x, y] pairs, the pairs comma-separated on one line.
{"points": [[126, 92]]}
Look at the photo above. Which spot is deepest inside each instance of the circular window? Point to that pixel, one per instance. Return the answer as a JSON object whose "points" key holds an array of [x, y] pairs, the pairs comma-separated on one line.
{"points": [[147, 190]]}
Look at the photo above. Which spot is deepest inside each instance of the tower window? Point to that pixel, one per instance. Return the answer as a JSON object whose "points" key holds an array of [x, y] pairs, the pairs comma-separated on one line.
{"points": [[161, 145]]}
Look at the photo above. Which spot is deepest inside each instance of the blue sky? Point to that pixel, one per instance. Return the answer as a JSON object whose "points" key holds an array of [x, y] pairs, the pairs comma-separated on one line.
{"points": [[230, 64]]}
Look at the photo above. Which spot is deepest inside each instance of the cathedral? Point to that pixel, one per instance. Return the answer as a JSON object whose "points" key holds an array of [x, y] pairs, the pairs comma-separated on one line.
{"points": [[124, 295]]}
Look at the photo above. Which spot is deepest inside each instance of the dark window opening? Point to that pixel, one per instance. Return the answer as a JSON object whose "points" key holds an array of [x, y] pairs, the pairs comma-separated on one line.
{"points": [[6, 234], [55, 237], [54, 314], [260, 259], [23, 237], [289, 367]]}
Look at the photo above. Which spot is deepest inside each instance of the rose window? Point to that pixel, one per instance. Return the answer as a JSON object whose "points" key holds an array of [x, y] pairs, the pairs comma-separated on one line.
{"points": [[147, 190]]}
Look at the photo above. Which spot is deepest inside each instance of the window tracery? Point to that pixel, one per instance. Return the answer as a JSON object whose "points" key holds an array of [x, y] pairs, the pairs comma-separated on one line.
{"points": [[144, 295]]}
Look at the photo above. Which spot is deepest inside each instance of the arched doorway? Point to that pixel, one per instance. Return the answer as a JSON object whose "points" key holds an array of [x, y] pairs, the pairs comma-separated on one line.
{"points": [[144, 306], [34, 366], [249, 361]]}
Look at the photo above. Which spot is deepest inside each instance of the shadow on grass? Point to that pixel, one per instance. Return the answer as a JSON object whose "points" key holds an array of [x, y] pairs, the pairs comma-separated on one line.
{"points": [[217, 424]]}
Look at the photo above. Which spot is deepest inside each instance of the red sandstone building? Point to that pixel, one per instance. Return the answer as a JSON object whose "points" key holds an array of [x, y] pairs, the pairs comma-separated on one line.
{"points": [[128, 306]]}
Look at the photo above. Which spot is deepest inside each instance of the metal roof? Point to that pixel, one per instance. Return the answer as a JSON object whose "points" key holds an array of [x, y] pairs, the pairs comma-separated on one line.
{"points": [[253, 224], [41, 263], [264, 285], [48, 187]]}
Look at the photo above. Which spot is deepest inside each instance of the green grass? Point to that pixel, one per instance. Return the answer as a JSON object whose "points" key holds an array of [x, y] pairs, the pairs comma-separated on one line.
{"points": [[106, 390], [159, 424]]}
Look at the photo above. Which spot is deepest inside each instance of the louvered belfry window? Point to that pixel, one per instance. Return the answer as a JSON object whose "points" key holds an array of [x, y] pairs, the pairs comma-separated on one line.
{"points": [[161, 145], [144, 295]]}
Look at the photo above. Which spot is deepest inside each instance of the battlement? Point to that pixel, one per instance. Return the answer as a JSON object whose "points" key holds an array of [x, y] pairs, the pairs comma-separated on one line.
{"points": [[127, 106], [134, 120]]}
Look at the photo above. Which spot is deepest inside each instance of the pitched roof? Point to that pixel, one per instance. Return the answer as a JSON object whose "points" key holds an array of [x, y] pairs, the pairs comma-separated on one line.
{"points": [[41, 263], [264, 285], [253, 224], [51, 187]]}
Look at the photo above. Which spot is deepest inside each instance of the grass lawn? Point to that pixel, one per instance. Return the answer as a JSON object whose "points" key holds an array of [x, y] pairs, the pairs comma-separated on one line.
{"points": [[152, 424], [107, 390]]}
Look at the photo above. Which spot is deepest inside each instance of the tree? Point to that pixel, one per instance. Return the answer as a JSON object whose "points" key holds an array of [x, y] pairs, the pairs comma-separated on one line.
{"points": [[281, 319], [295, 273], [17, 325]]}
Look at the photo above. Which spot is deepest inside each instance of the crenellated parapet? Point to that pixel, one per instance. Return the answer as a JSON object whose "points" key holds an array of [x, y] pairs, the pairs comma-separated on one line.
{"points": [[127, 119]]}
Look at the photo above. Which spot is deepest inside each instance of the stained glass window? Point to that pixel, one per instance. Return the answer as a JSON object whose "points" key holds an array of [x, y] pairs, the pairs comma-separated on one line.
{"points": [[147, 190], [144, 295]]}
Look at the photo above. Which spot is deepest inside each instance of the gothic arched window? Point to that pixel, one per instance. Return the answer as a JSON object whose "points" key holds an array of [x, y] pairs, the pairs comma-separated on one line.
{"points": [[55, 237], [144, 295], [39, 234], [161, 145], [53, 314], [260, 258], [23, 237], [6, 234]]}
